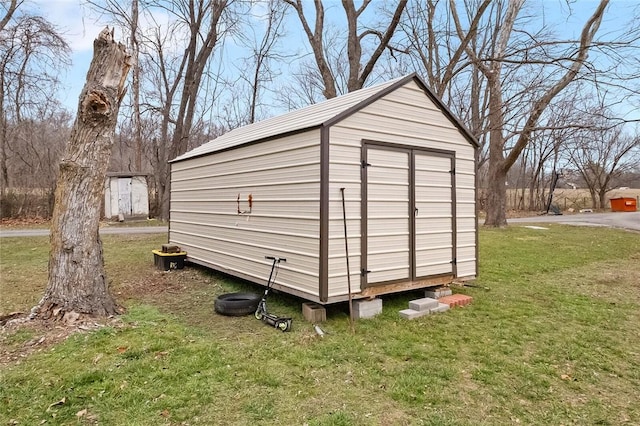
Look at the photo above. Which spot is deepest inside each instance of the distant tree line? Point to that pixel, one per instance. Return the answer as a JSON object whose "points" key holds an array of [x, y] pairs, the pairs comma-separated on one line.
{"points": [[538, 99]]}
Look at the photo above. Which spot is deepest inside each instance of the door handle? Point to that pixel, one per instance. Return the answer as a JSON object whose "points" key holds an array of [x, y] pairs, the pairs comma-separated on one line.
{"points": [[415, 212]]}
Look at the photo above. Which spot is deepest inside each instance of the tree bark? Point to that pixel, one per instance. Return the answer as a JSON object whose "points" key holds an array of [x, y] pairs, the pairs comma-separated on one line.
{"points": [[194, 61], [499, 163], [77, 279], [359, 70], [315, 37]]}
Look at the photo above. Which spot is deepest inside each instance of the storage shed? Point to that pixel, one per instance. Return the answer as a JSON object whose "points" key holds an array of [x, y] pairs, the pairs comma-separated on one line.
{"points": [[406, 164], [126, 195]]}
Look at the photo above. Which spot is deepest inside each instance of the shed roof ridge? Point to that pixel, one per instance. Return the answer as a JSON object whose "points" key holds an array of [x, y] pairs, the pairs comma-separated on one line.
{"points": [[321, 114]]}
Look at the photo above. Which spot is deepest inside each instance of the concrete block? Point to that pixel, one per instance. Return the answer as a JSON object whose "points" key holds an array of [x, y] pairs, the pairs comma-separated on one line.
{"points": [[367, 308], [423, 304], [438, 292], [413, 314], [313, 312], [442, 307]]}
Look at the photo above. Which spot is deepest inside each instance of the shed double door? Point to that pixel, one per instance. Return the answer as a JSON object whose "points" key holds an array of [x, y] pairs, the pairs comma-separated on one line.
{"points": [[408, 214]]}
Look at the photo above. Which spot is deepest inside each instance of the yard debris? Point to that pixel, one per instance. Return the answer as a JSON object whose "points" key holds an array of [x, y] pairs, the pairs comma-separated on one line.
{"points": [[71, 317], [318, 330], [97, 358], [55, 404], [35, 341], [8, 317]]}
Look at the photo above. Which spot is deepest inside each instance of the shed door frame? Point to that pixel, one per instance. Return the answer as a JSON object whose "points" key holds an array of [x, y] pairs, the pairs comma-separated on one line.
{"points": [[412, 152]]}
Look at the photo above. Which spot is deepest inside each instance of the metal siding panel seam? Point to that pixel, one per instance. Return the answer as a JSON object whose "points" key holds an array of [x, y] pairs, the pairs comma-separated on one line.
{"points": [[324, 215]]}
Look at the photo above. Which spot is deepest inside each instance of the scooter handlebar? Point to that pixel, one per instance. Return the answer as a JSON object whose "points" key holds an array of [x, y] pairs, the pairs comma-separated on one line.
{"points": [[277, 259]]}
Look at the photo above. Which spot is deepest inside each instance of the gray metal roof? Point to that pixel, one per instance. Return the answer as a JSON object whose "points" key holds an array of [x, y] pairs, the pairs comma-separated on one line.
{"points": [[316, 115]]}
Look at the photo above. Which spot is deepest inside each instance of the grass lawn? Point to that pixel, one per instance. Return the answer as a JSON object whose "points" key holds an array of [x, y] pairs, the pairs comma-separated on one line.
{"points": [[552, 337]]}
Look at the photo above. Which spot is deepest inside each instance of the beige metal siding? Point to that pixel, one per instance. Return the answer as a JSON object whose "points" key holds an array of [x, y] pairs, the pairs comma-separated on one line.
{"points": [[466, 219], [407, 117], [345, 172], [434, 215], [282, 177], [388, 197]]}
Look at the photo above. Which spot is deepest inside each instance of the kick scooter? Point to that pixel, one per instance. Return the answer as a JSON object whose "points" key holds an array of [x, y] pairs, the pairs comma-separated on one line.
{"points": [[281, 323]]}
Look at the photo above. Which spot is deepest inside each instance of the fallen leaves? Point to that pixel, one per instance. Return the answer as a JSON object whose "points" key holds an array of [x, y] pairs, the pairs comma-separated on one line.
{"points": [[23, 221]]}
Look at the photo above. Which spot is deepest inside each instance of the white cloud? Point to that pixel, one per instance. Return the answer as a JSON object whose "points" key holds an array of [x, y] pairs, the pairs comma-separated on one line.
{"points": [[73, 19]]}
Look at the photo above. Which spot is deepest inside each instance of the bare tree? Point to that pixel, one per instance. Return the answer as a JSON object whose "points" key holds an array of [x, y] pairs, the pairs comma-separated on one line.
{"points": [[203, 22], [541, 157], [77, 279], [174, 44], [358, 68], [304, 87], [428, 39], [263, 52], [601, 156], [32, 54], [492, 68], [126, 14], [9, 11]]}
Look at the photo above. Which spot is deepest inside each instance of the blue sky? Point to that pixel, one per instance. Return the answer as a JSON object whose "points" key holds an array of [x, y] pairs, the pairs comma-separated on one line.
{"points": [[80, 29]]}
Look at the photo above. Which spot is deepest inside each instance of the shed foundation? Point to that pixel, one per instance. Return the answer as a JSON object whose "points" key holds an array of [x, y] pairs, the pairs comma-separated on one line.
{"points": [[367, 308], [313, 312]]}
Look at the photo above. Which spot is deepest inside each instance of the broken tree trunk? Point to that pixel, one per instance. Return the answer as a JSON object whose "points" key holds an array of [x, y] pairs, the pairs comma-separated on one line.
{"points": [[77, 280]]}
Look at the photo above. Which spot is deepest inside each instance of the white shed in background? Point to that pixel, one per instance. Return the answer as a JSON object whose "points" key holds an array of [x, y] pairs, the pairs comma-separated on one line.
{"points": [[406, 164], [126, 195]]}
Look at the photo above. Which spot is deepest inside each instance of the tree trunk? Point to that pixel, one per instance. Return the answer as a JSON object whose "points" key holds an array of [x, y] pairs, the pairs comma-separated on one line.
{"points": [[77, 279], [602, 198], [496, 202]]}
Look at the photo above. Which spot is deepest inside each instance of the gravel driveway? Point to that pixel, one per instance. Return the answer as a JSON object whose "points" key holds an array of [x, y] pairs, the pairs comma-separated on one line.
{"points": [[625, 220]]}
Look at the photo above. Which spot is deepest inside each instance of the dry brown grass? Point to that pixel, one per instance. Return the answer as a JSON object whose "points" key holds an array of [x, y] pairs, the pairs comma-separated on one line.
{"points": [[570, 198]]}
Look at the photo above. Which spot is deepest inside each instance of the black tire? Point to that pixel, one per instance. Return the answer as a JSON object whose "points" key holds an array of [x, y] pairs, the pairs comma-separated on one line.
{"points": [[236, 304]]}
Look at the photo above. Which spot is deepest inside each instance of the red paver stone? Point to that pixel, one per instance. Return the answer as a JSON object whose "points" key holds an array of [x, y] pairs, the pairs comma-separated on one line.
{"points": [[456, 300]]}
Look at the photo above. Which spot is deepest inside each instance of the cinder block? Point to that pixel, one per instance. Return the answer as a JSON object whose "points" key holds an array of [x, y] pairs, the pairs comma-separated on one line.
{"points": [[442, 307], [313, 312], [170, 248], [367, 308], [424, 304], [438, 292], [413, 314]]}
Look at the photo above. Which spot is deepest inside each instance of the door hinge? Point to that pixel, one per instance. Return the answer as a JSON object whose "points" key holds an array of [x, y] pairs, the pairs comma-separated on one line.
{"points": [[452, 171], [454, 261], [364, 272], [364, 164]]}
